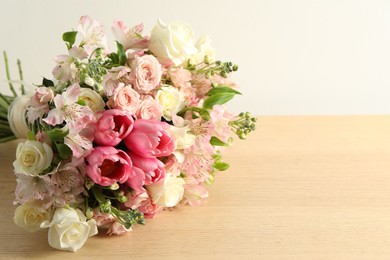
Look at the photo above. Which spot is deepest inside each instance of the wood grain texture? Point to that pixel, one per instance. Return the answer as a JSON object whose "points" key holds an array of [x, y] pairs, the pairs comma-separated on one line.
{"points": [[298, 188]]}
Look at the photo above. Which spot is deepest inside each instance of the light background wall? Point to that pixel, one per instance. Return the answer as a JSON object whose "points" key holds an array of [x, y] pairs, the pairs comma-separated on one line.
{"points": [[295, 57]]}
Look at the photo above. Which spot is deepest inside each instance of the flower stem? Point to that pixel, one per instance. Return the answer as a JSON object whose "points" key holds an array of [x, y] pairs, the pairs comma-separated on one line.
{"points": [[8, 74], [22, 90]]}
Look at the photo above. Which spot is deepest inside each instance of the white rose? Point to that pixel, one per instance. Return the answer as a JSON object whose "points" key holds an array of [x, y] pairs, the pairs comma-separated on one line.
{"points": [[171, 100], [182, 138], [204, 49], [92, 99], [69, 229], [168, 192], [31, 215], [17, 116], [32, 157], [172, 42]]}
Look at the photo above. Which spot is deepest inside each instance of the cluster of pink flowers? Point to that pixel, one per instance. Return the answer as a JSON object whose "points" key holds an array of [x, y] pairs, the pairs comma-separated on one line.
{"points": [[119, 136]]}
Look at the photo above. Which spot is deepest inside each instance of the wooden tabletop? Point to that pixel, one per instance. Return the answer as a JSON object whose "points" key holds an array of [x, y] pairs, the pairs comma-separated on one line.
{"points": [[299, 188]]}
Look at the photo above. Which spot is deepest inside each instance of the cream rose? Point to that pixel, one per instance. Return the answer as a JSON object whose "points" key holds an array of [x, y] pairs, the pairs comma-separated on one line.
{"points": [[17, 116], [32, 157], [168, 192], [69, 229], [172, 43], [92, 99], [31, 215], [171, 100]]}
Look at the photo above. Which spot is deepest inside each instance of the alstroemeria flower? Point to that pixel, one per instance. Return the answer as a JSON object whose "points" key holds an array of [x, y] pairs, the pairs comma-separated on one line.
{"points": [[65, 68], [130, 38], [92, 34], [75, 115]]}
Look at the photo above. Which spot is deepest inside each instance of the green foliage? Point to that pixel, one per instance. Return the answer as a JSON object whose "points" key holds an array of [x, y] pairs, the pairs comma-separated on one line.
{"points": [[217, 99], [47, 82], [217, 142], [221, 166], [69, 38], [222, 89], [119, 58]]}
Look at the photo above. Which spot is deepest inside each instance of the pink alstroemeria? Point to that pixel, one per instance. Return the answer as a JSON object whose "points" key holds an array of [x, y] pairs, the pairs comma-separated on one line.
{"points": [[92, 34], [130, 38], [221, 118], [80, 142], [75, 115], [65, 68]]}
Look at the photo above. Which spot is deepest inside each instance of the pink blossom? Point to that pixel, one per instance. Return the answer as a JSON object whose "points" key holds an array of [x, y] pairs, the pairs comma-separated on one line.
{"points": [[102, 219], [180, 77], [115, 76], [130, 38], [201, 84], [67, 109], [150, 139], [65, 68], [113, 126], [80, 142], [117, 228], [107, 165], [41, 97], [221, 118], [30, 188], [149, 109], [153, 168], [145, 73], [140, 199], [92, 34], [125, 98], [195, 194]]}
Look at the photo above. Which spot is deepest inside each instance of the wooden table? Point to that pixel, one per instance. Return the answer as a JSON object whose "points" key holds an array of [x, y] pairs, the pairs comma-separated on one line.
{"points": [[298, 188]]}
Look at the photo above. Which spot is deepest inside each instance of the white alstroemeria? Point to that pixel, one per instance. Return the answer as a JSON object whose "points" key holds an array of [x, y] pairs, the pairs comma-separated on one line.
{"points": [[75, 115], [130, 38], [69, 229], [92, 34], [66, 69]]}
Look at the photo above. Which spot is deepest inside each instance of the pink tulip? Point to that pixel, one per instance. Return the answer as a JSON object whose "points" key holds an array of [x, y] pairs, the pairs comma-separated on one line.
{"points": [[150, 139], [152, 168], [113, 126], [107, 165]]}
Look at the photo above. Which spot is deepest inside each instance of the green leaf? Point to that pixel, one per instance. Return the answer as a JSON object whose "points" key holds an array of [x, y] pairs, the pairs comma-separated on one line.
{"points": [[222, 89], [69, 38], [57, 135], [64, 151], [121, 54], [203, 113], [217, 99], [31, 136], [47, 82], [215, 141], [221, 166]]}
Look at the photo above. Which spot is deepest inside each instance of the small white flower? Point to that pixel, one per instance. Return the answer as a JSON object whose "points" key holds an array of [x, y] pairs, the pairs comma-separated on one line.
{"points": [[69, 229], [32, 157]]}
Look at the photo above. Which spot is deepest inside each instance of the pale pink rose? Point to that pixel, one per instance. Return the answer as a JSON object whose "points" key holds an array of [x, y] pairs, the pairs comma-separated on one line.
{"points": [[140, 199], [130, 38], [107, 165], [194, 195], [153, 168], [149, 109], [112, 127], [125, 98], [150, 139], [41, 97], [145, 73], [117, 228], [115, 76], [180, 77]]}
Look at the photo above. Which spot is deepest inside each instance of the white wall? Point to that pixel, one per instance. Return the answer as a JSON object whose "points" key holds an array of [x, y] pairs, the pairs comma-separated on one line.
{"points": [[295, 57]]}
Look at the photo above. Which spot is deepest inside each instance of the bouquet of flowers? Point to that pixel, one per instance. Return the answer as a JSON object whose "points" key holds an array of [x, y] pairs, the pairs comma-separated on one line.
{"points": [[116, 137]]}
